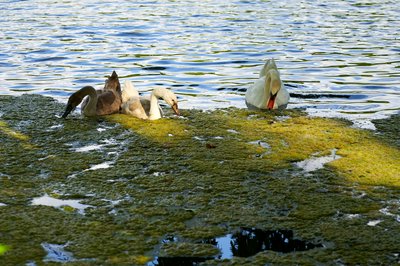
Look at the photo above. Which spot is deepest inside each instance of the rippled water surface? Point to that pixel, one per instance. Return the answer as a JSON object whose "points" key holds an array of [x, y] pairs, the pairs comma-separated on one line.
{"points": [[337, 58]]}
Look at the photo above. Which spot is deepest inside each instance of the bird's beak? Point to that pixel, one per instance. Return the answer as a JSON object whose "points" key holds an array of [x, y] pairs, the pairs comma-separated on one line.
{"points": [[68, 110], [175, 108], [271, 101]]}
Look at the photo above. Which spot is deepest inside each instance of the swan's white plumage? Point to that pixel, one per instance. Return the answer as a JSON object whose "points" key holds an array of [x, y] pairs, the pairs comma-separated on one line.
{"points": [[128, 91], [146, 107], [260, 94]]}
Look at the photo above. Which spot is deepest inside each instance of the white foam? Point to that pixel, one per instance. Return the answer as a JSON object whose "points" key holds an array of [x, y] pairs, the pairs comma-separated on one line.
{"points": [[57, 126], [198, 138], [88, 148], [374, 222], [104, 165], [352, 216]]}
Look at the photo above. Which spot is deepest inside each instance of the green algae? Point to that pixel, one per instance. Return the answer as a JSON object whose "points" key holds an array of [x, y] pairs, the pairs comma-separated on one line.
{"points": [[389, 130], [3, 249], [196, 177], [6, 130]]}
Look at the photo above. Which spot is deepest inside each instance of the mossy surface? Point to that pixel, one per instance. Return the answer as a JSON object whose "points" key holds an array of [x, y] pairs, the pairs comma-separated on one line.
{"points": [[389, 129], [197, 177]]}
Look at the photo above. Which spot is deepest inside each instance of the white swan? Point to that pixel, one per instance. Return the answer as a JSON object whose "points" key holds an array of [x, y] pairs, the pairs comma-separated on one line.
{"points": [[268, 92], [146, 107], [100, 102]]}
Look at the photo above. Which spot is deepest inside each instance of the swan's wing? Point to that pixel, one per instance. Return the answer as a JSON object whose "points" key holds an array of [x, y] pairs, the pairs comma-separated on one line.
{"points": [[108, 103], [134, 107], [86, 100], [256, 96]]}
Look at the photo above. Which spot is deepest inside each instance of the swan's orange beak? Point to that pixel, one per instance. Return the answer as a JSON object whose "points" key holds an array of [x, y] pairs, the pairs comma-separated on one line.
{"points": [[271, 101], [175, 108]]}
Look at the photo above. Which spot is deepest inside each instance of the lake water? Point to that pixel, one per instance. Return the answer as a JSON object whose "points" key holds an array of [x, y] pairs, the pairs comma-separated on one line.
{"points": [[337, 58]]}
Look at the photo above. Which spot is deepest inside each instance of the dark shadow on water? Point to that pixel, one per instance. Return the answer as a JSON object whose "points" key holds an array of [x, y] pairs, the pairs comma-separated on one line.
{"points": [[154, 68], [244, 243], [180, 261], [319, 95]]}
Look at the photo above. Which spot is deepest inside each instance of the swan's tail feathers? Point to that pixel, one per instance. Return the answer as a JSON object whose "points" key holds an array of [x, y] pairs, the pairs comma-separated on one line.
{"points": [[128, 85], [114, 74], [270, 64], [128, 91]]}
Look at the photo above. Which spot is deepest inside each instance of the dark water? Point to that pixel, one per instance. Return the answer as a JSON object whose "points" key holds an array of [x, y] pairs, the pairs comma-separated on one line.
{"points": [[209, 52], [246, 242]]}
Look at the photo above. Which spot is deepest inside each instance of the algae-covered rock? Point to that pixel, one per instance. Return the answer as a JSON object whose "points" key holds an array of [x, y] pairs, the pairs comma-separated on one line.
{"points": [[195, 177]]}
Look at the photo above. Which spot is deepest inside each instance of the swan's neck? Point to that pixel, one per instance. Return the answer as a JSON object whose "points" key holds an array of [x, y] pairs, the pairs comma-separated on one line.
{"points": [[266, 92], [90, 108], [154, 108]]}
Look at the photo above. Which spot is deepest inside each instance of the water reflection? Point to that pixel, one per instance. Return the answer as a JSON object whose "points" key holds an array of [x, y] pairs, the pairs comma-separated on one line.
{"points": [[314, 163], [46, 200], [56, 253]]}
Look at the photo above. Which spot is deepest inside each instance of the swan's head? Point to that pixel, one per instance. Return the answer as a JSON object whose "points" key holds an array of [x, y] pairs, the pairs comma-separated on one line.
{"points": [[68, 110], [74, 100], [171, 99], [112, 83], [274, 84]]}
